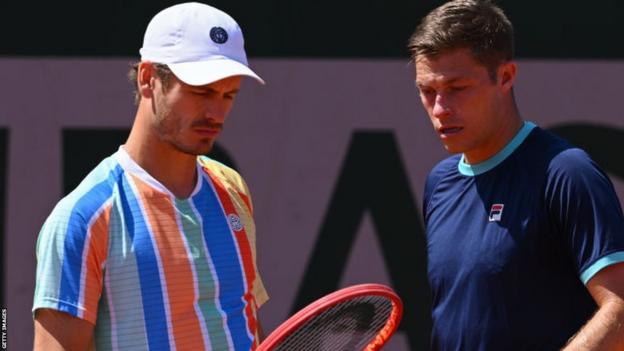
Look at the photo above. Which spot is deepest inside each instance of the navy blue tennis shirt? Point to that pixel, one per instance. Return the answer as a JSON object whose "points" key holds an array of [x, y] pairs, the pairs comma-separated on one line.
{"points": [[512, 241]]}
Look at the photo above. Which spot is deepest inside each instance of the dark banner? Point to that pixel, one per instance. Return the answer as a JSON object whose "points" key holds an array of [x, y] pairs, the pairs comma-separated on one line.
{"points": [[565, 29]]}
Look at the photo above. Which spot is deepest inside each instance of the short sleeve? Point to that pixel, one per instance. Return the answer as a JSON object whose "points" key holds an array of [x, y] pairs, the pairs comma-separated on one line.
{"points": [[586, 212], [71, 251], [258, 290]]}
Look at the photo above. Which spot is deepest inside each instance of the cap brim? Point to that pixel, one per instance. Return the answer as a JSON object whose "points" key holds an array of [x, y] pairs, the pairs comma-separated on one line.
{"points": [[206, 72]]}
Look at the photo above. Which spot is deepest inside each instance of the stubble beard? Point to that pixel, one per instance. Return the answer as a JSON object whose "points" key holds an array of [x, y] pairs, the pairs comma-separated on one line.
{"points": [[170, 130]]}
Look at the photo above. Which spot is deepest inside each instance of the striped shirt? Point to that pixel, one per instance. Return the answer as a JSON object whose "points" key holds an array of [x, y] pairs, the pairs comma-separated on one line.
{"points": [[149, 270]]}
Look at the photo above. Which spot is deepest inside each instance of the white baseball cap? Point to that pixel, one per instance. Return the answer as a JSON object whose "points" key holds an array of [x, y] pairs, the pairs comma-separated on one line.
{"points": [[199, 43]]}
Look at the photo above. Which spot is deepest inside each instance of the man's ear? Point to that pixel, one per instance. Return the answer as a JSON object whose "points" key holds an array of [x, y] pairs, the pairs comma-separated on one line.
{"points": [[146, 79], [507, 74]]}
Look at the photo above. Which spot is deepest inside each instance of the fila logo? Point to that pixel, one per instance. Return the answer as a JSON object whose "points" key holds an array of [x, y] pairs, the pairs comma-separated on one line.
{"points": [[496, 212]]}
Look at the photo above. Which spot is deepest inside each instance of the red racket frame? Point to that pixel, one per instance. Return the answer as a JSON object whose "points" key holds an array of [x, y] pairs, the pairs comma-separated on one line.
{"points": [[328, 301]]}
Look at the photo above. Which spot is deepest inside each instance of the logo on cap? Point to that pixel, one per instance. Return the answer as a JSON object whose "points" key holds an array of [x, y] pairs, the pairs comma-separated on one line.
{"points": [[218, 35]]}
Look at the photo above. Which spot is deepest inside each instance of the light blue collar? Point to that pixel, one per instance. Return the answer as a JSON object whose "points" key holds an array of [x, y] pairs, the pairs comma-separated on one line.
{"points": [[479, 168]]}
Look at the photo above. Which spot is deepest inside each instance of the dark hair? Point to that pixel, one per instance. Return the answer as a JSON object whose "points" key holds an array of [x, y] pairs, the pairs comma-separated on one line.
{"points": [[478, 25], [162, 72]]}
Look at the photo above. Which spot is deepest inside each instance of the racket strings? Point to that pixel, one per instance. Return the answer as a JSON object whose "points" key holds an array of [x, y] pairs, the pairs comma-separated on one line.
{"points": [[347, 326]]}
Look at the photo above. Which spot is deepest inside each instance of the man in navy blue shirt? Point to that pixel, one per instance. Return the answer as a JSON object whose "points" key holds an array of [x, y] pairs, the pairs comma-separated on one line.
{"points": [[525, 233]]}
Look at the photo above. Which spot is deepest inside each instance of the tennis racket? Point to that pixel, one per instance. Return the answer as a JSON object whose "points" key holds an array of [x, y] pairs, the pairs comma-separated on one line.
{"points": [[360, 317]]}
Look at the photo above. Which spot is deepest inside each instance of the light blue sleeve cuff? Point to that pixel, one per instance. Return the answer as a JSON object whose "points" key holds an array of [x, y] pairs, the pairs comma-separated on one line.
{"points": [[608, 260]]}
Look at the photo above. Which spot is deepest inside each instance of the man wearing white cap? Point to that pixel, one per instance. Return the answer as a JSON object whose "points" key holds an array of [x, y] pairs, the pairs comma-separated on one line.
{"points": [[155, 249]]}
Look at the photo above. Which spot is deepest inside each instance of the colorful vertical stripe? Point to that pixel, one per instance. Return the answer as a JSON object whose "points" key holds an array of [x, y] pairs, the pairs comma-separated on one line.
{"points": [[154, 312], [178, 276], [83, 216], [121, 322], [94, 256], [244, 253], [223, 250], [208, 289], [152, 271]]}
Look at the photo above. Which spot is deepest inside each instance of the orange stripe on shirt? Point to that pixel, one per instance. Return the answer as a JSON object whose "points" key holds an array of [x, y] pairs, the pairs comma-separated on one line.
{"points": [[97, 253], [245, 252], [176, 265]]}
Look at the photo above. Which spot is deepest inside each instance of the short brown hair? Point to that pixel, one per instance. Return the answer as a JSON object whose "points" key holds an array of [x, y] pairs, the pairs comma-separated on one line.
{"points": [[162, 72], [478, 25]]}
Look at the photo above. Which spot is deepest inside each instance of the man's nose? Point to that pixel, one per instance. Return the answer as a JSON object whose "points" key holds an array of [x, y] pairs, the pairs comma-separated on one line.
{"points": [[441, 106], [215, 110]]}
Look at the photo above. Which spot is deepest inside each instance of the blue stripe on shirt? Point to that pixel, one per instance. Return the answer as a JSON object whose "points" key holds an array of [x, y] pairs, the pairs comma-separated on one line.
{"points": [[74, 243], [224, 254], [149, 276]]}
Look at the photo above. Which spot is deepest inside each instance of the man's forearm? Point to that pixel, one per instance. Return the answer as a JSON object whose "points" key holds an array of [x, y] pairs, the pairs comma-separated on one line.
{"points": [[55, 330], [604, 331]]}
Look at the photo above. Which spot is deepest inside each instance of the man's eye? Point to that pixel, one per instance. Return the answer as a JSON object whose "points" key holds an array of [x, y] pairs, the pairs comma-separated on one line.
{"points": [[457, 88], [426, 91]]}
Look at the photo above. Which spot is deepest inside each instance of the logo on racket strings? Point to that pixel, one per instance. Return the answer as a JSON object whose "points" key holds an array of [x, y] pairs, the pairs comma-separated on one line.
{"points": [[496, 212], [235, 222]]}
